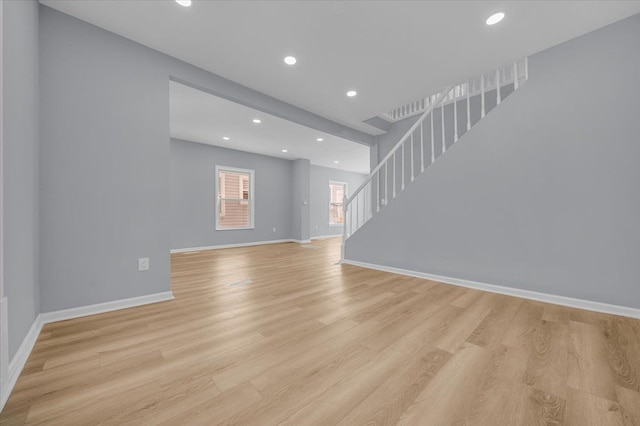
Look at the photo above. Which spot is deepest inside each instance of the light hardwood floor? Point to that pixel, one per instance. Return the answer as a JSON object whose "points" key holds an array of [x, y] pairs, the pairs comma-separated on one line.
{"points": [[309, 342]]}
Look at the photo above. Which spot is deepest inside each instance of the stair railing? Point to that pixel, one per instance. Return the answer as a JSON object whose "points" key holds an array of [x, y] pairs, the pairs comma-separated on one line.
{"points": [[407, 159], [475, 85]]}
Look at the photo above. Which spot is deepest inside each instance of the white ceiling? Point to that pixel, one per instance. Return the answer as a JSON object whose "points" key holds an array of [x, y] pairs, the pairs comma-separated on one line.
{"points": [[201, 117], [391, 52]]}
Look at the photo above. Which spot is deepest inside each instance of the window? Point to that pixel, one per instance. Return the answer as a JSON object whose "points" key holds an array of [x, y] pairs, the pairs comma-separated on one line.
{"points": [[337, 192], [234, 202]]}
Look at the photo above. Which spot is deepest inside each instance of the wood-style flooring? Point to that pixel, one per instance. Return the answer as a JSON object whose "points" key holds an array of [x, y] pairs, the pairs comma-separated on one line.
{"points": [[309, 342]]}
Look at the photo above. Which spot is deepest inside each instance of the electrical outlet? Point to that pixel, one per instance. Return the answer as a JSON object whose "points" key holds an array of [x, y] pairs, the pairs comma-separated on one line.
{"points": [[316, 226], [143, 264], [274, 229]]}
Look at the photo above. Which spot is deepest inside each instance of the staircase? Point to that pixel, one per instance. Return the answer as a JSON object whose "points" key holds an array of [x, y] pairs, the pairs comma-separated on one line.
{"points": [[442, 119]]}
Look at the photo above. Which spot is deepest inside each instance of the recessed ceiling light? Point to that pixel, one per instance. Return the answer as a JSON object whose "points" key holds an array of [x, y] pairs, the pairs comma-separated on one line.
{"points": [[257, 120], [284, 150], [185, 3], [226, 138], [290, 60], [319, 139], [336, 162], [351, 93], [495, 18]]}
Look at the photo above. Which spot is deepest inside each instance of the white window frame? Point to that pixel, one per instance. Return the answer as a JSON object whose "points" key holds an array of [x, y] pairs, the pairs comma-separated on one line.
{"points": [[252, 210], [346, 194]]}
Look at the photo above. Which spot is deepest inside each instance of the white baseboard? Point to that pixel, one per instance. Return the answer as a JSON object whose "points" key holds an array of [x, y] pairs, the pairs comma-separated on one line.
{"points": [[324, 237], [100, 308], [525, 294], [224, 246], [301, 241], [20, 358], [254, 243]]}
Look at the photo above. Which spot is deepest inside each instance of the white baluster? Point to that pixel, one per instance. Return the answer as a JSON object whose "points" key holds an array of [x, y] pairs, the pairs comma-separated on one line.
{"points": [[378, 192], [386, 183], [345, 210], [357, 212], [482, 95], [468, 107], [455, 118], [394, 175], [498, 86], [354, 222], [421, 148], [515, 75], [411, 157], [364, 203], [444, 145], [402, 168], [347, 219], [526, 68], [433, 154], [351, 221]]}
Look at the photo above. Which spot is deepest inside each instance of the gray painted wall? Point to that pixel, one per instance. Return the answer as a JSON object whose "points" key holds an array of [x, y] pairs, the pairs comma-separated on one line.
{"points": [[104, 165], [20, 166], [320, 177], [300, 209], [280, 188], [543, 193], [105, 159], [193, 195]]}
